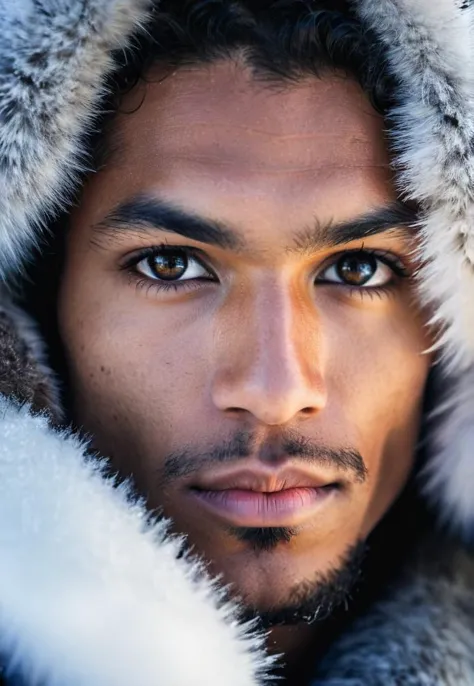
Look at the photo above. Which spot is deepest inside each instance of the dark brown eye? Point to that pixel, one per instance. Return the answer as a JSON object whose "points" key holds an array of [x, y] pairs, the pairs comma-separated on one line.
{"points": [[357, 269], [171, 265]]}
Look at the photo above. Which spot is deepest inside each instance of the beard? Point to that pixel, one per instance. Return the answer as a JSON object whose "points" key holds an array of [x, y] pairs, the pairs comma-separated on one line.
{"points": [[312, 600]]}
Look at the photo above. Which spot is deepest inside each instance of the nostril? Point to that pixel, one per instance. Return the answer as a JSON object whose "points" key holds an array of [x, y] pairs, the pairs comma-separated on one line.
{"points": [[236, 410]]}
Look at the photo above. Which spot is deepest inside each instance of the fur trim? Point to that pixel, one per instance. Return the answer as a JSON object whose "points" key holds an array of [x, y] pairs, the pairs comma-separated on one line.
{"points": [[54, 55], [92, 592], [421, 634], [449, 475], [430, 52], [24, 374]]}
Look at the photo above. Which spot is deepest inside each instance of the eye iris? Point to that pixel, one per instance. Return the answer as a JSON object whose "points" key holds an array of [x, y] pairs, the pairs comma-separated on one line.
{"points": [[356, 270], [169, 266]]}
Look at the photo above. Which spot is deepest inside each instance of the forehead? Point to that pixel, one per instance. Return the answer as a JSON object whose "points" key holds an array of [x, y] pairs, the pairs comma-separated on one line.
{"points": [[217, 140]]}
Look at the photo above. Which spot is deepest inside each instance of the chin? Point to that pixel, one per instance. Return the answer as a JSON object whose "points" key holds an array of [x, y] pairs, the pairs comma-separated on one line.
{"points": [[280, 571], [283, 586]]}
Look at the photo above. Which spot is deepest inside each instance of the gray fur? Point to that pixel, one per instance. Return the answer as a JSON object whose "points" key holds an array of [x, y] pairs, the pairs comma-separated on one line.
{"points": [[430, 53], [54, 55], [420, 634], [24, 374]]}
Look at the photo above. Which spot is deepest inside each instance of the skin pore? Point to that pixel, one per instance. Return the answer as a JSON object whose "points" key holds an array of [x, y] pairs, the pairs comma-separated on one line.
{"points": [[237, 313]]}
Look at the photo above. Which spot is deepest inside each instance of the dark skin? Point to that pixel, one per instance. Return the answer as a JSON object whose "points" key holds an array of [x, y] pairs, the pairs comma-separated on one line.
{"points": [[268, 328]]}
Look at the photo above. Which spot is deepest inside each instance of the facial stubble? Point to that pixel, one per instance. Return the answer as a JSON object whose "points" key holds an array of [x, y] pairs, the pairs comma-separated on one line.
{"points": [[313, 600]]}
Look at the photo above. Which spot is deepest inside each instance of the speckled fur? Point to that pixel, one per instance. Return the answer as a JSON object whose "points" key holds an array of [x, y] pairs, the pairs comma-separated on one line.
{"points": [[431, 54], [54, 55], [421, 632], [24, 374]]}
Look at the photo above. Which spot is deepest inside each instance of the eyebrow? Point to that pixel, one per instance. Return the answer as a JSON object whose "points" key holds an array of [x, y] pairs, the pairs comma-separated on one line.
{"points": [[151, 214], [396, 215]]}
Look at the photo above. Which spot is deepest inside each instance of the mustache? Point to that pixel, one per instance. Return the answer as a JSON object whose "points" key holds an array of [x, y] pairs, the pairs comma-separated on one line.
{"points": [[190, 459]]}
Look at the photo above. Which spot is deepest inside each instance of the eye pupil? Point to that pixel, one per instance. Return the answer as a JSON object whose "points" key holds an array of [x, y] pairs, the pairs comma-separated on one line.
{"points": [[169, 265], [356, 270]]}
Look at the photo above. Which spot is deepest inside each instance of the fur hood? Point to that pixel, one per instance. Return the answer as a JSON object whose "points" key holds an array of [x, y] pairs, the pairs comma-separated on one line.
{"points": [[92, 591]]}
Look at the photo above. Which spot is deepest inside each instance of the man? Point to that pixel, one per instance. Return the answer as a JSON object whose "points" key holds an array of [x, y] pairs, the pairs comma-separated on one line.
{"points": [[238, 327]]}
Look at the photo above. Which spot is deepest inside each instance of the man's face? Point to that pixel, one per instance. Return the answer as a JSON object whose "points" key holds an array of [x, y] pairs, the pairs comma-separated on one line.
{"points": [[242, 337]]}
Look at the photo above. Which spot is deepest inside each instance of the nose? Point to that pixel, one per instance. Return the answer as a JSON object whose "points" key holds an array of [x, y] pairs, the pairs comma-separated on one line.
{"points": [[273, 368]]}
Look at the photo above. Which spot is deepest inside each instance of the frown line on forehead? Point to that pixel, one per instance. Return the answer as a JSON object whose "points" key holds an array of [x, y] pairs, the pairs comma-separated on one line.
{"points": [[150, 214]]}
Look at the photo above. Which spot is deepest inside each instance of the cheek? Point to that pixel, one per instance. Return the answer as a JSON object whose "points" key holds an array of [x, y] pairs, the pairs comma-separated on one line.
{"points": [[377, 378], [139, 371], [376, 364]]}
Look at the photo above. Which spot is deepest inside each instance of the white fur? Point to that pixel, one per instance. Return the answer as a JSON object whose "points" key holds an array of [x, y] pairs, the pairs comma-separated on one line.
{"points": [[450, 471], [91, 592], [54, 55]]}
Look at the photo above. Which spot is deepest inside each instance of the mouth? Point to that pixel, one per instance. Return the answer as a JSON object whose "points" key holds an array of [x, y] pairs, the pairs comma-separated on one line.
{"points": [[256, 498]]}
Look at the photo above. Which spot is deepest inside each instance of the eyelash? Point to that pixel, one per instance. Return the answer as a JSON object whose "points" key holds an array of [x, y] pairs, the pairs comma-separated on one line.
{"points": [[398, 268], [142, 282]]}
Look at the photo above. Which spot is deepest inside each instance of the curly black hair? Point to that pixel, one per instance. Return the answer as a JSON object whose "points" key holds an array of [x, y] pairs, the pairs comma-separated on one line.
{"points": [[280, 40]]}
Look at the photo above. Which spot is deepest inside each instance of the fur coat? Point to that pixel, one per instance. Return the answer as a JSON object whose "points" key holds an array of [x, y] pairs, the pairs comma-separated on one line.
{"points": [[93, 592]]}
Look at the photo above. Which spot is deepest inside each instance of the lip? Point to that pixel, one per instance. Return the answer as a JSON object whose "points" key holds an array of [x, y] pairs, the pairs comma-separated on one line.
{"points": [[263, 497], [264, 479], [288, 507]]}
